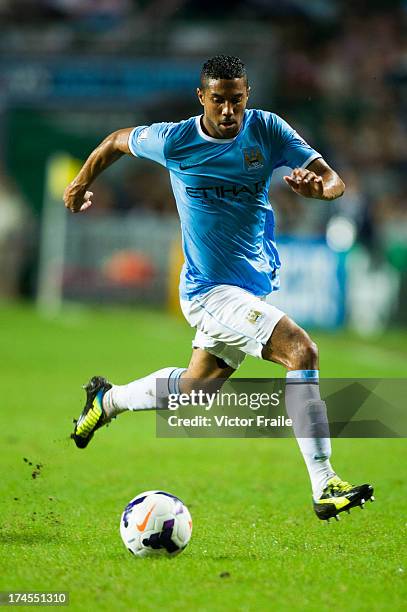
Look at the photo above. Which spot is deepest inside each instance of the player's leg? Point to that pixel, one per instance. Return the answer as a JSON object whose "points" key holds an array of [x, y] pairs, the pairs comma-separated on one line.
{"points": [[152, 391], [211, 360], [205, 371], [105, 401], [290, 346]]}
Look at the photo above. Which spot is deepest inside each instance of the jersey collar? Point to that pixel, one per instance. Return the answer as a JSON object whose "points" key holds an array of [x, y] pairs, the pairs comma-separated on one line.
{"points": [[209, 138]]}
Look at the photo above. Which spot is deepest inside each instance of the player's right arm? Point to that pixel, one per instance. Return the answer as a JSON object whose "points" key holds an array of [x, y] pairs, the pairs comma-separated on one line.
{"points": [[77, 196]]}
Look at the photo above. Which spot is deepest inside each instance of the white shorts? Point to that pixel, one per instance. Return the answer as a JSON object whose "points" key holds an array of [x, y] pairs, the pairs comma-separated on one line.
{"points": [[231, 323]]}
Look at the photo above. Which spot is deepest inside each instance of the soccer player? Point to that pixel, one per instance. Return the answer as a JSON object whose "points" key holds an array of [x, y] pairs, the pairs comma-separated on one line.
{"points": [[220, 164]]}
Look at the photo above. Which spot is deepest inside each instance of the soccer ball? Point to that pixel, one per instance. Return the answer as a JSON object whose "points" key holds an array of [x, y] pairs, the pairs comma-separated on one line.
{"points": [[155, 523]]}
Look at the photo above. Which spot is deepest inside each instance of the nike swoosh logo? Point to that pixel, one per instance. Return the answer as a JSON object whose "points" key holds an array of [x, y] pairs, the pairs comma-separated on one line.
{"points": [[142, 526]]}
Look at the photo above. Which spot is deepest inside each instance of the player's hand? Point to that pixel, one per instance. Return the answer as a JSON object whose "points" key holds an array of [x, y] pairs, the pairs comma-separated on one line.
{"points": [[76, 198], [306, 183]]}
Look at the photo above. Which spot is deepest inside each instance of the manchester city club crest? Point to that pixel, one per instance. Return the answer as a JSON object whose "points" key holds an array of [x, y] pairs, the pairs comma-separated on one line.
{"points": [[253, 158]]}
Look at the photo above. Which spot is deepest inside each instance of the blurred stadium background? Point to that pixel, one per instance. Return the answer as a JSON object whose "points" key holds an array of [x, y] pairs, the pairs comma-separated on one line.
{"points": [[72, 71]]}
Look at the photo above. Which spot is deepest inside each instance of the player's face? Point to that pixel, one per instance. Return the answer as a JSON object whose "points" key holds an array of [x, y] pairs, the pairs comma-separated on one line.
{"points": [[224, 102]]}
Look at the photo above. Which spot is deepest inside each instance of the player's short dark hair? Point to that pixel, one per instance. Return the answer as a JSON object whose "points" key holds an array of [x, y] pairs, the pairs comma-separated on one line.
{"points": [[223, 67]]}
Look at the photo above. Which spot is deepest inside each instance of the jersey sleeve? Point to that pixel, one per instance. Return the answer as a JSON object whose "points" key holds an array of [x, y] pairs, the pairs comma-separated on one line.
{"points": [[151, 141], [293, 151]]}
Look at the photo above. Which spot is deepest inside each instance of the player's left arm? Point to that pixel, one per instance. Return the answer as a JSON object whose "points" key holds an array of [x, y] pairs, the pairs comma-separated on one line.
{"points": [[317, 180]]}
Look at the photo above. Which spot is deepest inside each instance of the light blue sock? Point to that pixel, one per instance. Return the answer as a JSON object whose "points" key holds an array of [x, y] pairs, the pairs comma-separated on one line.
{"points": [[174, 381]]}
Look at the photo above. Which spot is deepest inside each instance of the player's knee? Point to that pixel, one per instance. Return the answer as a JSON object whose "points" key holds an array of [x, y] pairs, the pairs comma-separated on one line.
{"points": [[305, 355], [291, 346]]}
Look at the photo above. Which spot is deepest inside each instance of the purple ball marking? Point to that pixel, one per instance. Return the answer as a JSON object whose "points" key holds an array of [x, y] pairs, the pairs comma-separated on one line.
{"points": [[168, 524], [169, 495], [129, 508]]}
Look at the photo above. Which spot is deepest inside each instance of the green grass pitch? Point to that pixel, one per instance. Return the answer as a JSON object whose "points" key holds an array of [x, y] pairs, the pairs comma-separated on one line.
{"points": [[256, 543]]}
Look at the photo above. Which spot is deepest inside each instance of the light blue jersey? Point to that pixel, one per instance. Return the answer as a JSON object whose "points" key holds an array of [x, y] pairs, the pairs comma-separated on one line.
{"points": [[221, 190]]}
